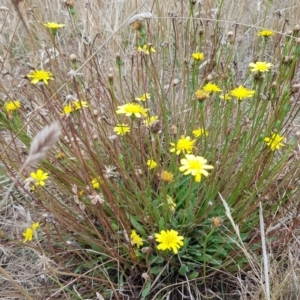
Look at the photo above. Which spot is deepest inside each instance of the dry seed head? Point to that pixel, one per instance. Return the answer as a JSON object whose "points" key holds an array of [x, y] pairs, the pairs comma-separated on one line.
{"points": [[73, 57], [175, 81], [287, 59], [210, 77], [296, 28], [155, 126], [69, 3], [216, 222], [295, 88], [137, 25], [42, 143], [274, 84], [298, 41], [173, 130], [230, 34]]}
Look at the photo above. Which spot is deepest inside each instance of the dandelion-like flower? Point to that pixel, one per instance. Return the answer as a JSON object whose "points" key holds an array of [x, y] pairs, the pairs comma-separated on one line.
{"points": [[260, 66], [96, 182], [201, 95], [150, 120], [11, 106], [40, 75], [39, 177], [132, 109], [29, 232], [275, 141], [225, 96], [76, 105], [121, 129], [169, 240], [199, 132], [184, 145], [194, 165], [211, 88], [143, 97], [79, 104], [151, 164], [146, 49], [198, 56], [241, 93], [136, 239], [52, 25], [166, 176], [266, 33]]}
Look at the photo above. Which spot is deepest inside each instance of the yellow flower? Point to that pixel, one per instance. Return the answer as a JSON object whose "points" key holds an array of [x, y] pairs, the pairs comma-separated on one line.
{"points": [[79, 104], [198, 56], [151, 164], [171, 203], [96, 182], [150, 120], [184, 145], [166, 176], [136, 239], [12, 106], [199, 132], [260, 66], [274, 142], [53, 25], [40, 75], [29, 232], [194, 165], [68, 108], [132, 109], [201, 95], [39, 177], [241, 93], [225, 96], [143, 97], [169, 240], [146, 49], [121, 129], [266, 33], [211, 88]]}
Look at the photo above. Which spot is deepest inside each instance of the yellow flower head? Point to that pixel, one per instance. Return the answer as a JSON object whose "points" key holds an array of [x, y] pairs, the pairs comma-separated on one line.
{"points": [[136, 239], [11, 106], [194, 165], [169, 240], [225, 96], [166, 176], [198, 56], [275, 141], [241, 93], [199, 132], [40, 75], [146, 49], [143, 97], [260, 66], [266, 33], [201, 95], [28, 233], [121, 129], [132, 109], [79, 104], [150, 120], [54, 26], [68, 108], [96, 182], [151, 164], [39, 177], [211, 88], [184, 145]]}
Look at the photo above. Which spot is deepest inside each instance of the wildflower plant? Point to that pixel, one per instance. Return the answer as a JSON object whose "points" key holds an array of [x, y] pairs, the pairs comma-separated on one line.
{"points": [[163, 157]]}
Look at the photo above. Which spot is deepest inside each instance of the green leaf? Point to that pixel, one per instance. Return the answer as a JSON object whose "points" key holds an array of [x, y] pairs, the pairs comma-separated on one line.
{"points": [[137, 226], [193, 275], [156, 270], [146, 289], [183, 269]]}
